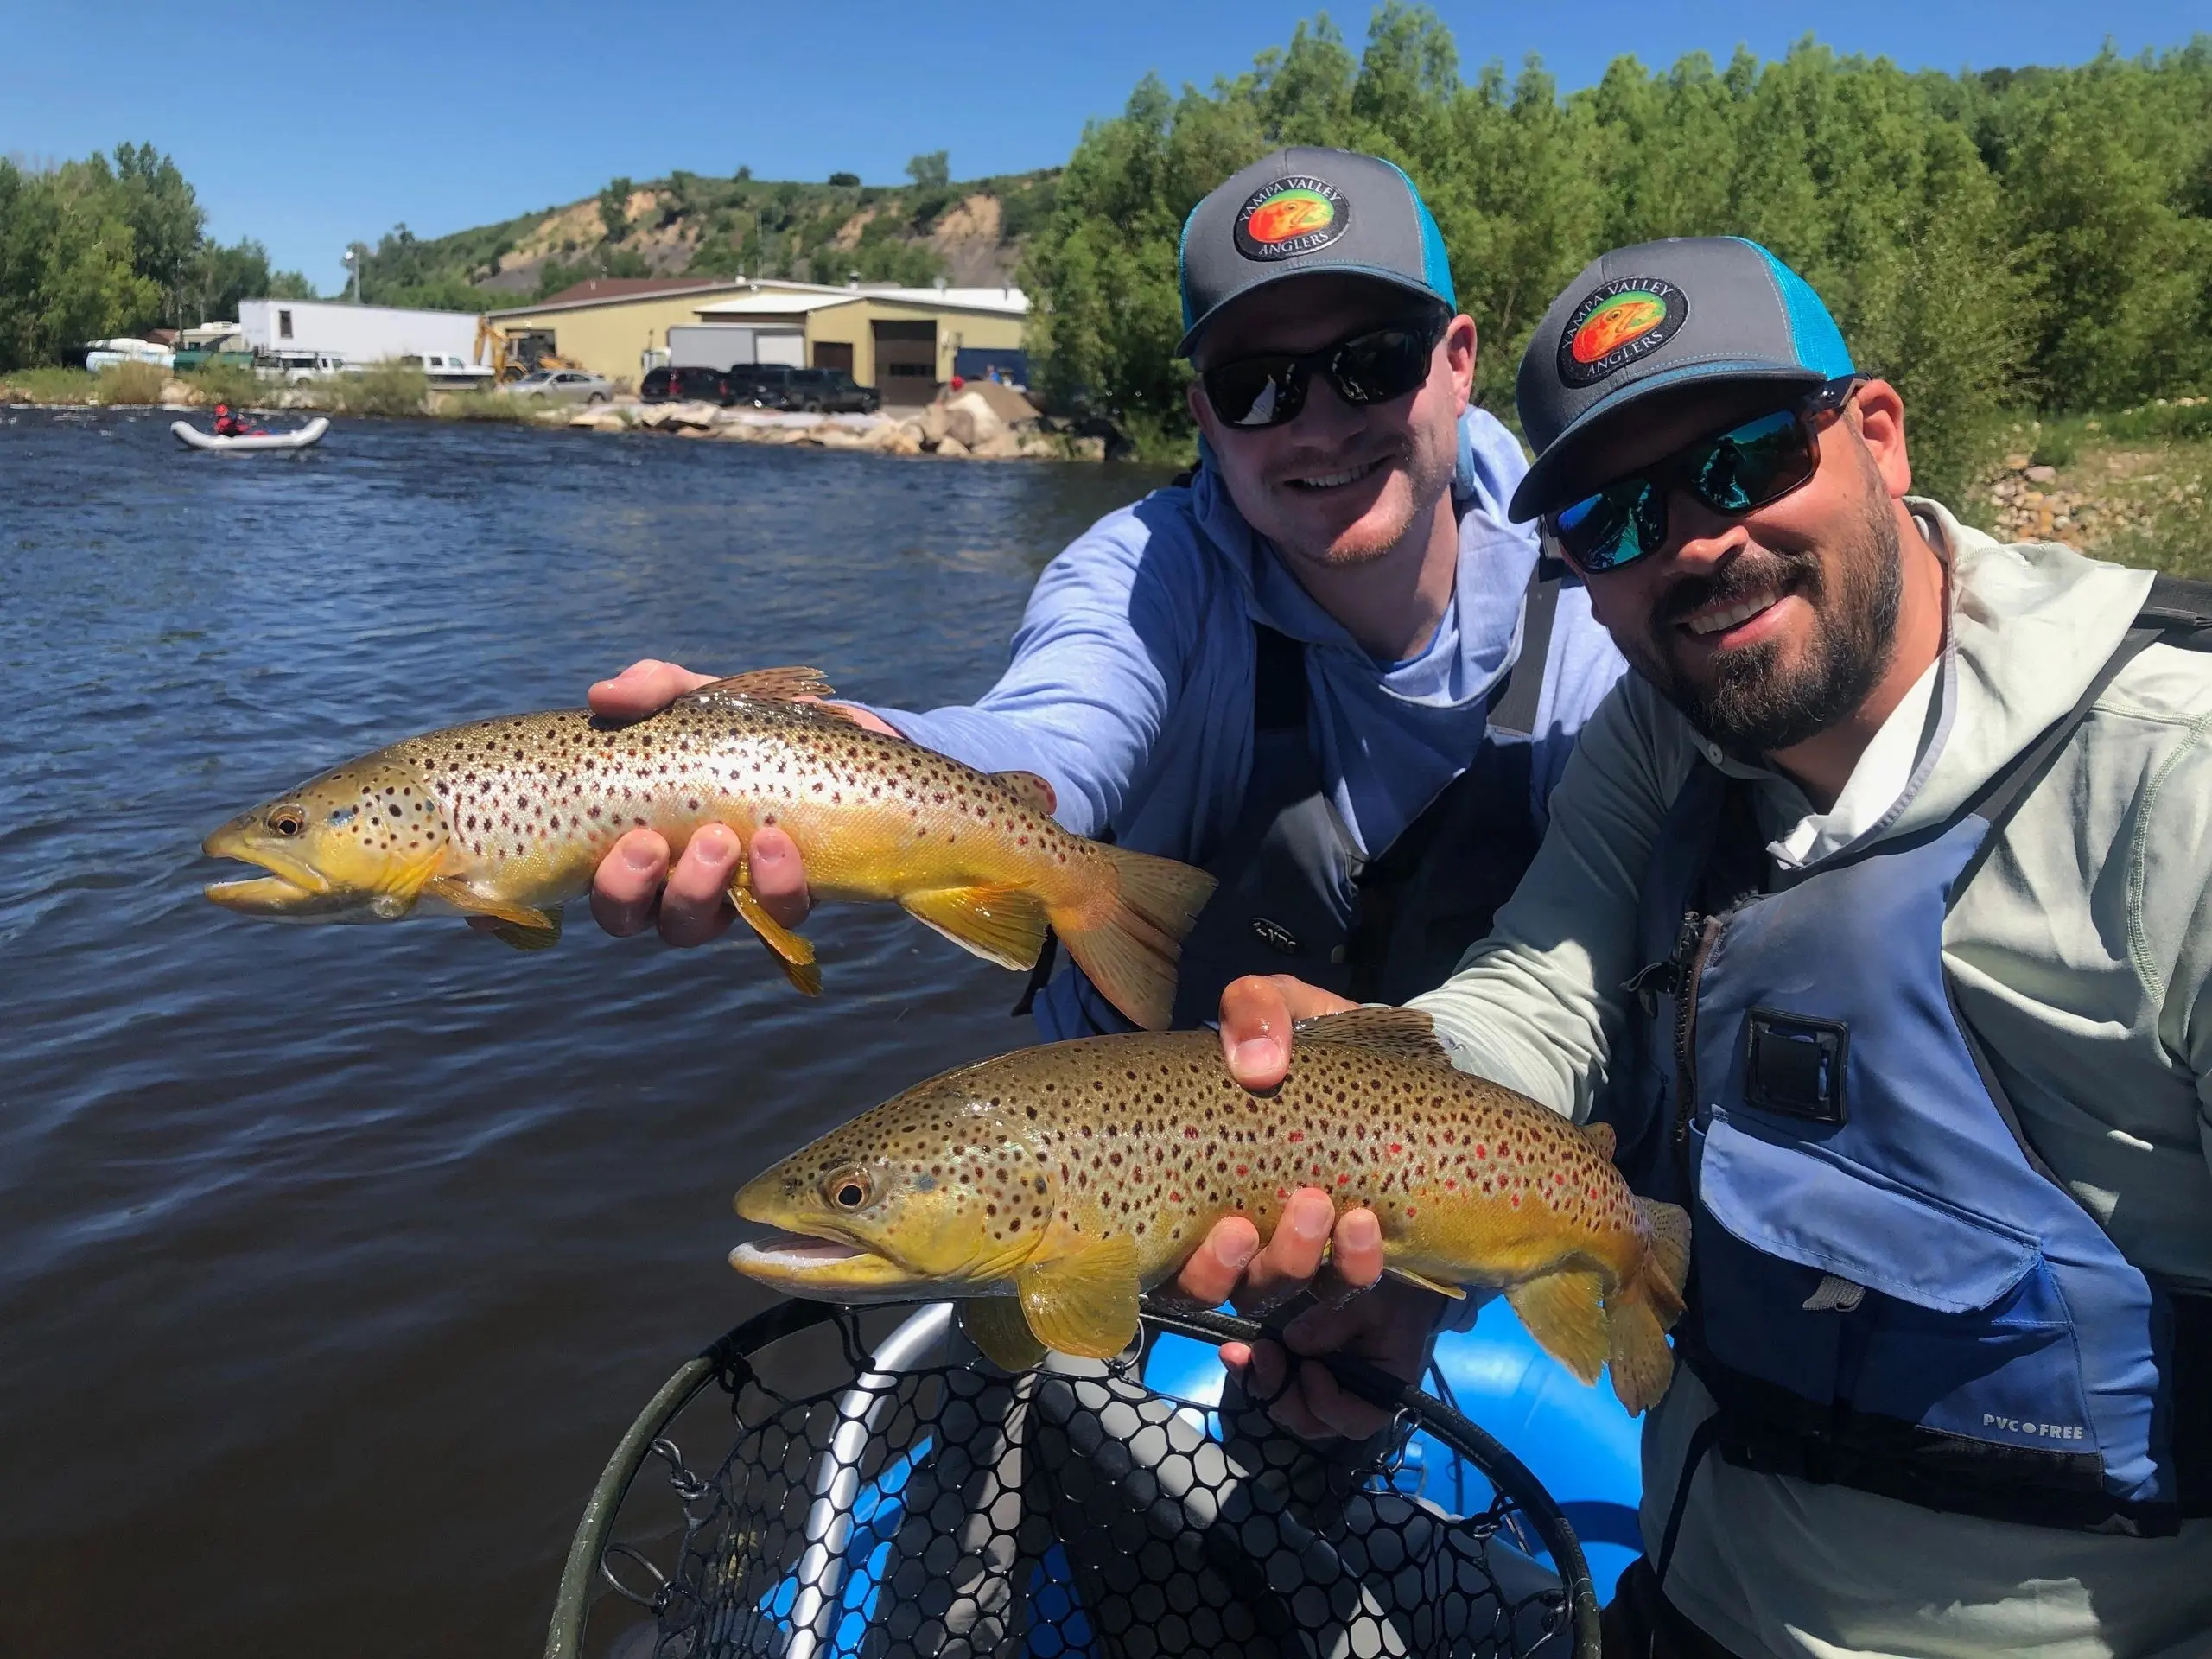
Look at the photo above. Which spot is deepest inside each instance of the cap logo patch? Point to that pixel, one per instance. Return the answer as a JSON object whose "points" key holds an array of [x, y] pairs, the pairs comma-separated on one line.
{"points": [[1617, 324], [1299, 214]]}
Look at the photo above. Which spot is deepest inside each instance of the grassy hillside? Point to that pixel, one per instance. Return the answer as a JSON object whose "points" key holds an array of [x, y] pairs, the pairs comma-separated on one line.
{"points": [[688, 224]]}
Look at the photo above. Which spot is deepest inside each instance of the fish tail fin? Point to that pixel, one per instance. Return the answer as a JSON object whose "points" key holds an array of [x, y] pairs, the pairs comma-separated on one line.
{"points": [[1639, 1314], [1129, 952]]}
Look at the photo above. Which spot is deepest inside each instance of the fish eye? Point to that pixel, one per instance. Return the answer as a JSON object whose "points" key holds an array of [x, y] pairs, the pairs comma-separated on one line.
{"points": [[849, 1189], [288, 820]]}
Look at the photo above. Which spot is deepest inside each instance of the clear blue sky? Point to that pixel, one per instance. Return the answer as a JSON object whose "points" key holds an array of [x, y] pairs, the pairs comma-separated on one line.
{"points": [[309, 126]]}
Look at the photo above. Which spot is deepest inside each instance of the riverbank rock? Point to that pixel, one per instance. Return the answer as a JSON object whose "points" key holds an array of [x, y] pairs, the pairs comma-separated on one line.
{"points": [[951, 448], [175, 394], [971, 421]]}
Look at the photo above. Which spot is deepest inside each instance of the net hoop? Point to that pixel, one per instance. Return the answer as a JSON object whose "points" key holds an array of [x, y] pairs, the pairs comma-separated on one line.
{"points": [[593, 1550]]}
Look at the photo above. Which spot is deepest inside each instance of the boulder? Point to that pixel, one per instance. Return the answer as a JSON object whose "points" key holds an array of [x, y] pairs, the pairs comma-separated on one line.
{"points": [[694, 415], [901, 440], [970, 419], [1001, 445], [1087, 449], [177, 395], [952, 449], [934, 423], [2042, 474]]}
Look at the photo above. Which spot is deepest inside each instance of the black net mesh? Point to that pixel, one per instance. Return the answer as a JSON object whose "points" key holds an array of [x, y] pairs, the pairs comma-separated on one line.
{"points": [[919, 1504]]}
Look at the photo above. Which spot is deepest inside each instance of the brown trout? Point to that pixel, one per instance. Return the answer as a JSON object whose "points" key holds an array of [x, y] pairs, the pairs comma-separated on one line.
{"points": [[508, 818], [1046, 1189]]}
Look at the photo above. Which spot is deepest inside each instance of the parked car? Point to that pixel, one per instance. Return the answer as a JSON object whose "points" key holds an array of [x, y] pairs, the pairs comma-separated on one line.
{"points": [[294, 367], [564, 386], [831, 391], [686, 386], [763, 385]]}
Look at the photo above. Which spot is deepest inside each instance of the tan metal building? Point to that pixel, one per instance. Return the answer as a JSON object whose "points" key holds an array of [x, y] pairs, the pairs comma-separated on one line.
{"points": [[901, 341]]}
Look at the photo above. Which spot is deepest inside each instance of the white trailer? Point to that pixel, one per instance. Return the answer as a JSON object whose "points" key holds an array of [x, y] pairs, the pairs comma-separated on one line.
{"points": [[357, 335], [729, 345]]}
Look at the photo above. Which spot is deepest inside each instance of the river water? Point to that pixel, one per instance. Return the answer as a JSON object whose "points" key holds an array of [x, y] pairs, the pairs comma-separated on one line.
{"points": [[333, 1261]]}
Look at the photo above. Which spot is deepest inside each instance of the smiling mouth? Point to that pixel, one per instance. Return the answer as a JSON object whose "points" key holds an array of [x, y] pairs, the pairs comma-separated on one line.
{"points": [[1719, 619], [1333, 480]]}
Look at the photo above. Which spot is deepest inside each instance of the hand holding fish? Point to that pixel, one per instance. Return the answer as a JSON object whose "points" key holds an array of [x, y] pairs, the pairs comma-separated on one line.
{"points": [[635, 888], [1387, 1324]]}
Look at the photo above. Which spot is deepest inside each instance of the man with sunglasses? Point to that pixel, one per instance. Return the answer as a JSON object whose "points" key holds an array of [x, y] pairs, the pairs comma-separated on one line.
{"points": [[1874, 915], [1325, 665]]}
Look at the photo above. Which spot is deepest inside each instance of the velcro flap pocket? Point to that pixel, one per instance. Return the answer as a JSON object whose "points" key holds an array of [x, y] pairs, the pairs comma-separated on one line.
{"points": [[1803, 1204]]}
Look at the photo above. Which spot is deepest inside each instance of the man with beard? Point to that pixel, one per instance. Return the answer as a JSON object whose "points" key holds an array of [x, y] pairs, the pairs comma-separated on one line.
{"points": [[1874, 916], [1325, 666]]}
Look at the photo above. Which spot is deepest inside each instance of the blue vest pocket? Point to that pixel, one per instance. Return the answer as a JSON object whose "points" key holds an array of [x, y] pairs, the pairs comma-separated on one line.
{"points": [[1964, 1333]]}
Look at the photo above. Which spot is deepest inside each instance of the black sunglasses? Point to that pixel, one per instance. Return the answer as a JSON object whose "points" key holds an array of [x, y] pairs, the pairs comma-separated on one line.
{"points": [[1372, 367], [1746, 467]]}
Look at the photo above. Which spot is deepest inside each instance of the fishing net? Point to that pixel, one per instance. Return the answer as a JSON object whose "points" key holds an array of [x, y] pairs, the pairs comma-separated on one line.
{"points": [[894, 1498]]}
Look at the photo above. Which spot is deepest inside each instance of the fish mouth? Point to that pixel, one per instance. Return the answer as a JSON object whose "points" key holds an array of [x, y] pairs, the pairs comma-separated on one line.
{"points": [[829, 1269], [287, 884]]}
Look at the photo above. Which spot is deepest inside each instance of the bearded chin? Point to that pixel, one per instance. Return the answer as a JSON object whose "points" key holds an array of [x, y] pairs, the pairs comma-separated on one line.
{"points": [[1757, 704]]}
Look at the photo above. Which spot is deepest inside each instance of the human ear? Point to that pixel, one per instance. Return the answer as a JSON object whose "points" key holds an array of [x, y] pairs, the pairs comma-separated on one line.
{"points": [[1881, 428]]}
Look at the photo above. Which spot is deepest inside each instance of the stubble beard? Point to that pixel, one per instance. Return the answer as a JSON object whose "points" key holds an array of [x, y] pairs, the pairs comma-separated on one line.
{"points": [[1755, 705]]}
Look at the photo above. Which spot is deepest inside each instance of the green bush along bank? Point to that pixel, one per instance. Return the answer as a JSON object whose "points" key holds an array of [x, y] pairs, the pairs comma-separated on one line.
{"points": [[1994, 242]]}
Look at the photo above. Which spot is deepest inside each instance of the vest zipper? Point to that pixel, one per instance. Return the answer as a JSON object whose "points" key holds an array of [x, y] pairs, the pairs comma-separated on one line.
{"points": [[1692, 946]]}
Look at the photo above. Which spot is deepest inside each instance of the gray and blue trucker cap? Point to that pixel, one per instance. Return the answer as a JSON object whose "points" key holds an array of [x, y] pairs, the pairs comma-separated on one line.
{"points": [[1304, 210], [1655, 325]]}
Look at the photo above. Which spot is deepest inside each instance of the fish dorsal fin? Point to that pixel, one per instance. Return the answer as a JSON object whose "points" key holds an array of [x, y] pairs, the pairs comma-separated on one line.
{"points": [[1030, 790], [1599, 1135], [1404, 1033], [775, 685]]}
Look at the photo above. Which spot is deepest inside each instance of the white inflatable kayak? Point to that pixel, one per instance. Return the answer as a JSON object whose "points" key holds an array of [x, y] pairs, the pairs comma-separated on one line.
{"points": [[311, 433]]}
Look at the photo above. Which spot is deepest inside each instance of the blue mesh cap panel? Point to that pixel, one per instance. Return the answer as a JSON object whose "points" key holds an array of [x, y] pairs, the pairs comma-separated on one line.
{"points": [[1182, 268], [1436, 266], [1813, 333]]}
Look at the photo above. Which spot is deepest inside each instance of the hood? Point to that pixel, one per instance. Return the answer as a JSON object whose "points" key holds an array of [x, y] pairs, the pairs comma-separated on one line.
{"points": [[1435, 703], [2031, 623]]}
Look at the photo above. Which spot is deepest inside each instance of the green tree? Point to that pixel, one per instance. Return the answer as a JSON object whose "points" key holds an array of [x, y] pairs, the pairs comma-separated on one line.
{"points": [[614, 208], [931, 172]]}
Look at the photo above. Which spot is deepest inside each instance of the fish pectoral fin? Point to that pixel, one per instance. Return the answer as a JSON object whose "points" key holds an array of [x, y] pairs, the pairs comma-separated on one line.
{"points": [[1565, 1311], [524, 928], [995, 1326], [766, 684], [794, 953], [530, 938], [1406, 1276], [1030, 790], [1084, 1302], [1600, 1136], [1406, 1033], [1004, 925]]}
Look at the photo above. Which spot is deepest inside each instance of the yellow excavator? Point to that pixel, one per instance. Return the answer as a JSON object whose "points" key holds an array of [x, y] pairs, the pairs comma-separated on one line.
{"points": [[526, 351]]}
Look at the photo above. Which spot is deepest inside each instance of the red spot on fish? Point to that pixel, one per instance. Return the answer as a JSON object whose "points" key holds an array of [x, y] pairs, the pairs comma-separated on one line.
{"points": [[1297, 1136], [1344, 1180]]}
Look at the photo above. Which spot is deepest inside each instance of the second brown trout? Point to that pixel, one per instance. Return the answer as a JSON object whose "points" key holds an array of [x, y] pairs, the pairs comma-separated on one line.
{"points": [[1046, 1189], [508, 818]]}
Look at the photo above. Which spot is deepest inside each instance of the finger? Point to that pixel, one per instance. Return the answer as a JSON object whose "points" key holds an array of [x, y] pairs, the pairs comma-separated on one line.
{"points": [[1268, 1383], [860, 717], [779, 879], [1256, 1033], [1355, 1256], [644, 688], [626, 884], [1210, 1277], [1334, 1408], [694, 906], [1293, 1256]]}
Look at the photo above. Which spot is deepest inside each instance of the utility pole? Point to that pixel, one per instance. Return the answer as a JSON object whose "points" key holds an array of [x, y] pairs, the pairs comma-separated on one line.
{"points": [[353, 266]]}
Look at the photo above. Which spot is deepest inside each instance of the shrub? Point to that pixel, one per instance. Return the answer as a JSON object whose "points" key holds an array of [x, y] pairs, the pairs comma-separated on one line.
{"points": [[229, 382], [131, 382], [381, 389], [48, 385]]}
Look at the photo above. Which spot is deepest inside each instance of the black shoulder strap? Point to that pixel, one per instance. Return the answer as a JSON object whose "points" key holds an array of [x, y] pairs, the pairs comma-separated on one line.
{"points": [[1516, 709], [2180, 611], [1278, 681]]}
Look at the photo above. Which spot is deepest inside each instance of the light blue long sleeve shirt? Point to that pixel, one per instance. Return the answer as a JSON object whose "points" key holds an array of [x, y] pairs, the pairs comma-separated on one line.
{"points": [[1131, 684]]}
